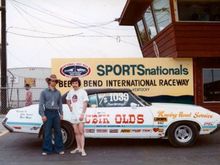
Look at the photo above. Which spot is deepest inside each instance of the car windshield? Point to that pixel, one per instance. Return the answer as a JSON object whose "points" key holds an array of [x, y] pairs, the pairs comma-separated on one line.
{"points": [[131, 94]]}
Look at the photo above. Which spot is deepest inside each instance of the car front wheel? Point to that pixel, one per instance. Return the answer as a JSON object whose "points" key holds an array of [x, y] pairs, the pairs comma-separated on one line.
{"points": [[183, 134], [67, 135]]}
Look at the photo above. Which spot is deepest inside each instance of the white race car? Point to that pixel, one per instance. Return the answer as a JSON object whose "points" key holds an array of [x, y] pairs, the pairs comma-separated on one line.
{"points": [[119, 113]]}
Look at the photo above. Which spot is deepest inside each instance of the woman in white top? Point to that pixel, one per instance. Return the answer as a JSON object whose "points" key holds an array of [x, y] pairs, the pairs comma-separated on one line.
{"points": [[77, 100]]}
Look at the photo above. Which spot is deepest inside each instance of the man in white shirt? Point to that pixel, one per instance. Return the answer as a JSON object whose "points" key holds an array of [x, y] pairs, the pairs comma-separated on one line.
{"points": [[77, 100]]}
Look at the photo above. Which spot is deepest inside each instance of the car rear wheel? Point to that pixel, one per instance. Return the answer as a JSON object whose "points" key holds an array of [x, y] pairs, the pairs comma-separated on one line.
{"points": [[183, 134]]}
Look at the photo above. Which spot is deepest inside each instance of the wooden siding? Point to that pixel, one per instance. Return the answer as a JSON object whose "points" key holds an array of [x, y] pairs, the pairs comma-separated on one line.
{"points": [[183, 39], [166, 44], [197, 39]]}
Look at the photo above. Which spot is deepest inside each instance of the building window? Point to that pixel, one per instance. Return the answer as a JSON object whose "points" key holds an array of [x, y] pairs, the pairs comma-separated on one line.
{"points": [[143, 38], [211, 85], [161, 9], [198, 10], [155, 19], [149, 19]]}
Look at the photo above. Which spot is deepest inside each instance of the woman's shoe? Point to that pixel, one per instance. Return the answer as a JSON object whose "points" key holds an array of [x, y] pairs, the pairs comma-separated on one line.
{"points": [[83, 153], [77, 150]]}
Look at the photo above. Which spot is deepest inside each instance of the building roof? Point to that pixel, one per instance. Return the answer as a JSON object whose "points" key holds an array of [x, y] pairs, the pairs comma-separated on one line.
{"points": [[133, 11]]}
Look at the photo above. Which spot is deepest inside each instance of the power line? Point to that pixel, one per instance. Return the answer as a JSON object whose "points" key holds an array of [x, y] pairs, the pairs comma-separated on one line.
{"points": [[94, 25], [34, 28], [64, 19], [60, 35], [75, 22], [48, 37], [37, 31]]}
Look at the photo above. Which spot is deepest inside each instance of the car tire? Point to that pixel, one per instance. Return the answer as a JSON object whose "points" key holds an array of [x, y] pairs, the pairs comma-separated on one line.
{"points": [[67, 135], [183, 134]]}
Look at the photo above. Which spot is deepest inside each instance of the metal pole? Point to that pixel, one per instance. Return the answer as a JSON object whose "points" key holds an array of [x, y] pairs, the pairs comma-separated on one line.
{"points": [[3, 59]]}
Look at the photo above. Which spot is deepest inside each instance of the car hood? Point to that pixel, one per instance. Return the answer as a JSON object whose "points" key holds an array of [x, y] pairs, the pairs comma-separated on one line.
{"points": [[176, 106]]}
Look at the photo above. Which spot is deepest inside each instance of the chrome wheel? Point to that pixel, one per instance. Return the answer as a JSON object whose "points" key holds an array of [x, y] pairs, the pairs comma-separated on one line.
{"points": [[183, 134], [64, 135]]}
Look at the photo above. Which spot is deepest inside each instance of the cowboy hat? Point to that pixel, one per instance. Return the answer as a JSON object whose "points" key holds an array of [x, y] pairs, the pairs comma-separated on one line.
{"points": [[52, 77]]}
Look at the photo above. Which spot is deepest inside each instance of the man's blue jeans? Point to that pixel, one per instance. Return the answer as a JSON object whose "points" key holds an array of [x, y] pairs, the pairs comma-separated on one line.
{"points": [[53, 122]]}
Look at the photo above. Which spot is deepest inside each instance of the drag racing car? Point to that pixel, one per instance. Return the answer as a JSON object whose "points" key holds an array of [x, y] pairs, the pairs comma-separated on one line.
{"points": [[119, 113]]}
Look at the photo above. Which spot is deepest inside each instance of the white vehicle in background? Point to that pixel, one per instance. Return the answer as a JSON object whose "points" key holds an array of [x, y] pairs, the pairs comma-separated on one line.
{"points": [[119, 113]]}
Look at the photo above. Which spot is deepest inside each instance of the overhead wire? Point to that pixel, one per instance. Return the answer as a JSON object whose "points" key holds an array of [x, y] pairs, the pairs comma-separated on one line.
{"points": [[47, 41], [82, 25], [57, 48], [48, 37], [71, 21], [56, 34], [98, 25]]}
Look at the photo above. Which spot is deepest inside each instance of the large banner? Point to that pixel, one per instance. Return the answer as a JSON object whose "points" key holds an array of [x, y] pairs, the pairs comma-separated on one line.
{"points": [[147, 77]]}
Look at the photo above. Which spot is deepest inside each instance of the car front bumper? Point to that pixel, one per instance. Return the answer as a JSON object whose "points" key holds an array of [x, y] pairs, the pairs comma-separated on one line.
{"points": [[4, 121], [217, 129]]}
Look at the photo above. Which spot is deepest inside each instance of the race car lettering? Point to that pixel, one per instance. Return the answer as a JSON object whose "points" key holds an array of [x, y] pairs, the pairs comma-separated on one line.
{"points": [[101, 130], [125, 131], [136, 130], [208, 124], [174, 115], [170, 115], [181, 114], [129, 119], [113, 131], [201, 115], [97, 119], [90, 130], [160, 119]]}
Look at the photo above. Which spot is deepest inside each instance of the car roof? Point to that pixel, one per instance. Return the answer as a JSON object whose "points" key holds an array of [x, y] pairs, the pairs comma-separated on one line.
{"points": [[104, 90], [91, 91]]}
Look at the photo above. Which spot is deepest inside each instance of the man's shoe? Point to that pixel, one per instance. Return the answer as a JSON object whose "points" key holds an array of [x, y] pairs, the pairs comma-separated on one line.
{"points": [[44, 153], [61, 153]]}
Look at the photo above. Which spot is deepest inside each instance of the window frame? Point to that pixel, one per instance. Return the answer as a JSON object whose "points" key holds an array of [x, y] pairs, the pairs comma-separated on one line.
{"points": [[155, 17], [149, 39], [203, 94], [139, 35], [176, 13]]}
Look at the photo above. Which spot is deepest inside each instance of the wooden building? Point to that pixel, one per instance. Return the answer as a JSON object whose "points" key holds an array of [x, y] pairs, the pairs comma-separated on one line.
{"points": [[182, 29]]}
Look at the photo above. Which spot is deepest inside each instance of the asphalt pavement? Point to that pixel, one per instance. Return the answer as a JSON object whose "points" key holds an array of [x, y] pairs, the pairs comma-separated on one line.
{"points": [[25, 149]]}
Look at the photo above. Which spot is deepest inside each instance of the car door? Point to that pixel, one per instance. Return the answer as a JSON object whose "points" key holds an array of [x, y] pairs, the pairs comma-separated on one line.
{"points": [[91, 116], [122, 115]]}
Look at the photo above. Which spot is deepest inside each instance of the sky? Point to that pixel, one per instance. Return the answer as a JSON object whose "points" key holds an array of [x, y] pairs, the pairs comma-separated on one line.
{"points": [[39, 30]]}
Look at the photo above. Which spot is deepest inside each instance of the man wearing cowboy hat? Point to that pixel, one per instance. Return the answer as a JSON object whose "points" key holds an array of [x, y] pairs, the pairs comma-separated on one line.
{"points": [[50, 109]]}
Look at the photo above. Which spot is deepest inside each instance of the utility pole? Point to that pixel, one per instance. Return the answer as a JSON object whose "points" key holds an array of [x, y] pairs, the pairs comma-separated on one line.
{"points": [[3, 59]]}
